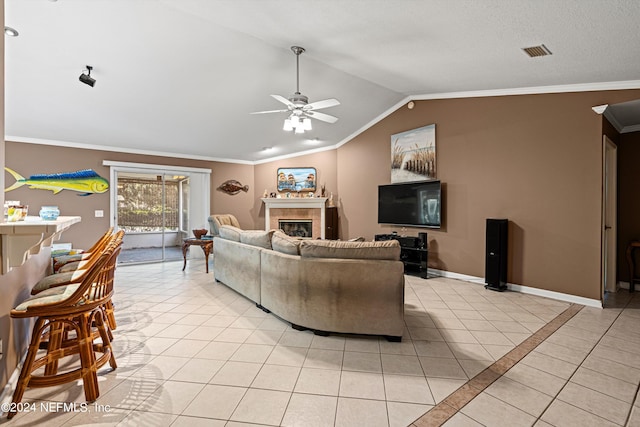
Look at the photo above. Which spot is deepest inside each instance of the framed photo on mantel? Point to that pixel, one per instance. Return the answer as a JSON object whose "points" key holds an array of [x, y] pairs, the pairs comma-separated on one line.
{"points": [[297, 179]]}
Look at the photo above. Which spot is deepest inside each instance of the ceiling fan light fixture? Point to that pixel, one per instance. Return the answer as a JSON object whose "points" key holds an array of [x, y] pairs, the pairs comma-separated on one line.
{"points": [[306, 123], [287, 125], [300, 129]]}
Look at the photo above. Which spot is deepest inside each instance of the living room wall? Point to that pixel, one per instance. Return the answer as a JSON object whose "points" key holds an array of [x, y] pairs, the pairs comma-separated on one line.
{"points": [[534, 159], [29, 159]]}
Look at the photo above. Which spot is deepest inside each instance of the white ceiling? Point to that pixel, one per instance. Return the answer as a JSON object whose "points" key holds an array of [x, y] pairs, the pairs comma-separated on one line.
{"points": [[180, 77]]}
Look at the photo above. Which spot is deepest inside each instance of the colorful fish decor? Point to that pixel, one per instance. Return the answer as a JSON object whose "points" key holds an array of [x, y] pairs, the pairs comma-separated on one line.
{"points": [[233, 187], [85, 181]]}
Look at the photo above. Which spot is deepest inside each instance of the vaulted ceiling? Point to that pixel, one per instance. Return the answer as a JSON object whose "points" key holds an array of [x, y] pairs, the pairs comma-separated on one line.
{"points": [[180, 77]]}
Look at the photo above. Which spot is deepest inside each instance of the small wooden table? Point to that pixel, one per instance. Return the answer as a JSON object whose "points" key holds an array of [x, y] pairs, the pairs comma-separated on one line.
{"points": [[205, 244]]}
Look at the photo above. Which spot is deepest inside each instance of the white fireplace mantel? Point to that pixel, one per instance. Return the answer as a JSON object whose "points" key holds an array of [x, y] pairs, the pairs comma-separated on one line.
{"points": [[295, 203]]}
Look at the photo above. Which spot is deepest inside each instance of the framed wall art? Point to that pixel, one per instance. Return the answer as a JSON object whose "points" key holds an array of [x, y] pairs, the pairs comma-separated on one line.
{"points": [[297, 179], [413, 155]]}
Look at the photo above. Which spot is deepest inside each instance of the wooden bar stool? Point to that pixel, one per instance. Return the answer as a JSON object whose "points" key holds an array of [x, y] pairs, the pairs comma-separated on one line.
{"points": [[79, 307]]}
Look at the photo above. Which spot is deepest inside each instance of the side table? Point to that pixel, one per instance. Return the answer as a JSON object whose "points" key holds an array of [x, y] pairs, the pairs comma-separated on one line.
{"points": [[205, 244]]}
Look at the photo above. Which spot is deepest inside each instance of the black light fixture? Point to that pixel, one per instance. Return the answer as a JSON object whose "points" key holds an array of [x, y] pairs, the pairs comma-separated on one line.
{"points": [[86, 78]]}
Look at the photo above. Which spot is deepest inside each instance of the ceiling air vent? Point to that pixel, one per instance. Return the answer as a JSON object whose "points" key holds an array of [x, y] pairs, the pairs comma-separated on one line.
{"points": [[536, 51]]}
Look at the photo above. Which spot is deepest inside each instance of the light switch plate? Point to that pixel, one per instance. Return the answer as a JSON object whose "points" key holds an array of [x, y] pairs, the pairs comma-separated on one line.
{"points": [[99, 213]]}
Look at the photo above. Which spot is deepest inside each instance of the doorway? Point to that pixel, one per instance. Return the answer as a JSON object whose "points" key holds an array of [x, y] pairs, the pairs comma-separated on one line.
{"points": [[609, 216], [157, 207]]}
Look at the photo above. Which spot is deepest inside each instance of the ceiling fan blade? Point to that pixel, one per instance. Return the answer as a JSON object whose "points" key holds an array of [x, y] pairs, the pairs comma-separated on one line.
{"points": [[284, 100], [322, 104], [321, 116], [270, 111]]}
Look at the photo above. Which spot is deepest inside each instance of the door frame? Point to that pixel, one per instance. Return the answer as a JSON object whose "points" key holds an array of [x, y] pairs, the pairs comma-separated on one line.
{"points": [[609, 217]]}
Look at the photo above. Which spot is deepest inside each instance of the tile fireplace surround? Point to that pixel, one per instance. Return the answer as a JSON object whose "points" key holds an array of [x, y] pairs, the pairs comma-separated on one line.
{"points": [[299, 208]]}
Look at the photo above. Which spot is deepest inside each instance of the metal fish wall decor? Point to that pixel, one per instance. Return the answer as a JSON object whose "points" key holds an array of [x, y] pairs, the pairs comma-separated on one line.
{"points": [[85, 181], [232, 187]]}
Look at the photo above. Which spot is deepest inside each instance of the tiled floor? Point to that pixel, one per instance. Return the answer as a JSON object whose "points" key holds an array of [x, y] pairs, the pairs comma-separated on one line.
{"points": [[193, 352]]}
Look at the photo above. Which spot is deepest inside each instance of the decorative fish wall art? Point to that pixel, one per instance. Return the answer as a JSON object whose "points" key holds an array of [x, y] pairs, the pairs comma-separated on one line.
{"points": [[232, 187], [85, 181]]}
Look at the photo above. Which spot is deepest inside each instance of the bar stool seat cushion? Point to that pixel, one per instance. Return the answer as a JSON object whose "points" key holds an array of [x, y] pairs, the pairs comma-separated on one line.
{"points": [[49, 296]]}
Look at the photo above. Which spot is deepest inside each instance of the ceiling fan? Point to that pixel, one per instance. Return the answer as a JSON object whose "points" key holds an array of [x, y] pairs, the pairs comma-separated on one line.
{"points": [[298, 105]]}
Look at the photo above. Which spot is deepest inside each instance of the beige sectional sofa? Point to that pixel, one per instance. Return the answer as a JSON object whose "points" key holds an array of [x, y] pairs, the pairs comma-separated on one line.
{"points": [[322, 285]]}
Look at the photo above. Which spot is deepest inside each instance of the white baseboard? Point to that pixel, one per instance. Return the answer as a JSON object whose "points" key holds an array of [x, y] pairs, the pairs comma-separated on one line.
{"points": [[7, 392], [523, 289]]}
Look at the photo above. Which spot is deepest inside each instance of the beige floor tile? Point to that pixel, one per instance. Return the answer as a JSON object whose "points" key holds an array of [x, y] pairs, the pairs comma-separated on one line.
{"points": [[262, 407], [470, 351], [218, 350], [612, 368], [594, 402], [402, 365], [519, 395], [365, 385], [129, 393], [405, 347], [233, 335], [358, 361], [306, 410], [605, 384], [276, 377], [361, 412], [184, 421], [494, 338], [408, 389], [204, 333], [296, 339], [536, 379], [220, 321], [425, 334], [433, 349], [560, 413], [254, 353], [324, 359], [239, 374], [172, 397], [193, 319], [474, 367], [367, 345], [266, 337], [157, 345], [289, 356], [198, 370], [141, 418], [403, 414], [318, 381], [215, 401], [435, 367], [549, 364], [490, 411], [328, 343], [161, 367], [185, 348]]}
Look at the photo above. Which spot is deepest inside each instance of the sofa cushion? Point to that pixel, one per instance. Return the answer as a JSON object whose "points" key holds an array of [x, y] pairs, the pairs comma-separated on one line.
{"points": [[386, 250], [285, 244], [230, 232], [258, 238]]}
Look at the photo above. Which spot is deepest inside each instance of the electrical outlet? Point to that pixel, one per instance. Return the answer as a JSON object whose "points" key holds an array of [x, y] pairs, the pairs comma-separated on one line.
{"points": [[99, 213]]}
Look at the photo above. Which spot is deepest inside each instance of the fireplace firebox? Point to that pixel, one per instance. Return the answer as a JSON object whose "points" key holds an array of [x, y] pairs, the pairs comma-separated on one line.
{"points": [[301, 228]]}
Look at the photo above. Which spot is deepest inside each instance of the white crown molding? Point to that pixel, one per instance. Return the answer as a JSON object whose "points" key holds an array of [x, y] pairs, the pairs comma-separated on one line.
{"points": [[13, 138], [586, 87], [629, 129]]}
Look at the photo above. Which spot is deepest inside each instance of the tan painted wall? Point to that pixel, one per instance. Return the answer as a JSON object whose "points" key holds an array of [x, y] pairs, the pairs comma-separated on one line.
{"points": [[29, 159], [533, 159]]}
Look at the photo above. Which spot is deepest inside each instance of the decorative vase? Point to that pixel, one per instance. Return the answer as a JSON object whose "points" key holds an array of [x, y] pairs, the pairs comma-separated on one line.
{"points": [[49, 213]]}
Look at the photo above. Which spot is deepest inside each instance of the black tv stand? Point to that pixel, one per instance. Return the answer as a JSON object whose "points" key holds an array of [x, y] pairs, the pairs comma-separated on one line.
{"points": [[413, 253]]}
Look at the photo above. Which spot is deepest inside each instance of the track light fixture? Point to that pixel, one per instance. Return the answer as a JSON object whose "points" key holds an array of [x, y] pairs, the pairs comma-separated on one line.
{"points": [[86, 78]]}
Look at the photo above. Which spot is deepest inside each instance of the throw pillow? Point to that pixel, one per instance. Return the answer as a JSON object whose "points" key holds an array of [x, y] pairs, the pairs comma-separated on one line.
{"points": [[258, 238], [229, 232], [285, 244]]}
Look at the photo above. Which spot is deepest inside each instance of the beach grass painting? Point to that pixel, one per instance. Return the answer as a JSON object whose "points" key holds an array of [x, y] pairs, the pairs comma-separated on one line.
{"points": [[413, 155]]}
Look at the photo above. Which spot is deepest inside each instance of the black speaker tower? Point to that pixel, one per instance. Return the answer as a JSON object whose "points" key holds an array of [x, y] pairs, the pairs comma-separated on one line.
{"points": [[496, 255]]}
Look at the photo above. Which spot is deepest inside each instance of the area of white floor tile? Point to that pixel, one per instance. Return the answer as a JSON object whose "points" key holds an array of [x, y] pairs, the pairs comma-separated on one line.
{"points": [[191, 351]]}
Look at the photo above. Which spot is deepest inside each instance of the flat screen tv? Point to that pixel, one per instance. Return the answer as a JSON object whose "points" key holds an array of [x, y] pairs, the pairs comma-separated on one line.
{"points": [[414, 204]]}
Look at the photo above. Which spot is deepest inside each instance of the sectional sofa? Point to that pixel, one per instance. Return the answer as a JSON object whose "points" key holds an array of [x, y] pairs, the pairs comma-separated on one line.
{"points": [[322, 285]]}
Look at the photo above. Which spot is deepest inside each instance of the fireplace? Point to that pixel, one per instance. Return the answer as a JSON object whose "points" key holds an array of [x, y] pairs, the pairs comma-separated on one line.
{"points": [[302, 228]]}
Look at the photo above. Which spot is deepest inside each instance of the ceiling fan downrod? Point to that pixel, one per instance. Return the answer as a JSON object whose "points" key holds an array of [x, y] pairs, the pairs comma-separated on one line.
{"points": [[298, 51]]}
